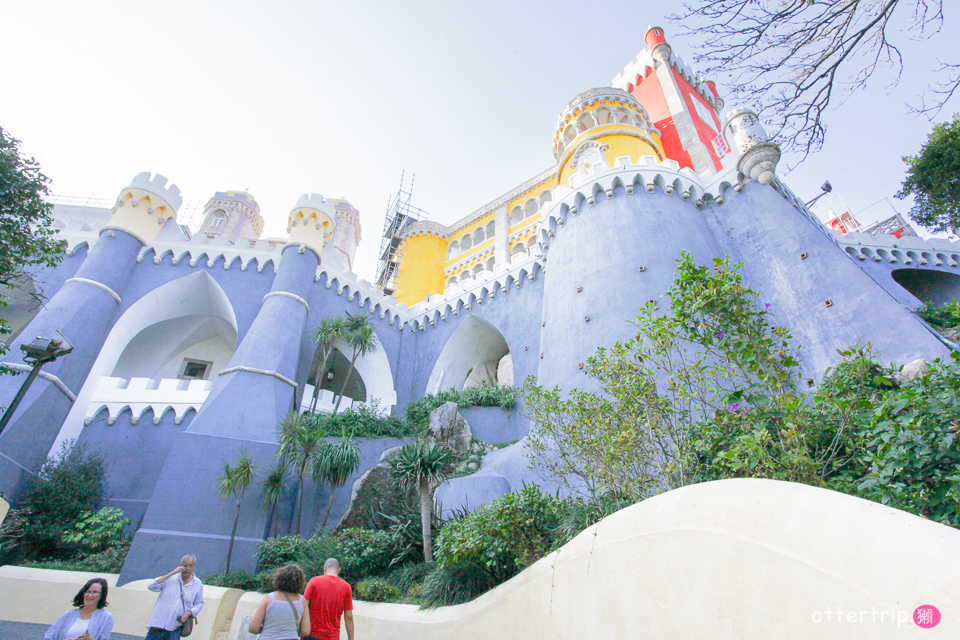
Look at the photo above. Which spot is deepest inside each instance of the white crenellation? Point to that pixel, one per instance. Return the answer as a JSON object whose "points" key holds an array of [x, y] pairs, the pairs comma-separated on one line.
{"points": [[159, 186]]}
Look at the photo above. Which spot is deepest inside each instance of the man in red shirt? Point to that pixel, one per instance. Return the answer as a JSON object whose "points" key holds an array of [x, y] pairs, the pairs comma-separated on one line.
{"points": [[328, 596]]}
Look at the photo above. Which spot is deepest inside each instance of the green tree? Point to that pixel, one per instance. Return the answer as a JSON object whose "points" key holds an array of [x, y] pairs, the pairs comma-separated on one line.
{"points": [[299, 442], [272, 492], [26, 224], [362, 338], [422, 465], [933, 179], [97, 531], [794, 59], [68, 485], [326, 336], [233, 484], [333, 464]]}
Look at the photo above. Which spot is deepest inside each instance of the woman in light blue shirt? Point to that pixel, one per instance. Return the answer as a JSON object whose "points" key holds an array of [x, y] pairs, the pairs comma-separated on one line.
{"points": [[88, 621]]}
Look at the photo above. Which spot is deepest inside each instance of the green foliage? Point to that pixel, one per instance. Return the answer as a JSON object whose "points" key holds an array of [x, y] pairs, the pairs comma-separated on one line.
{"points": [[309, 553], [27, 234], [67, 486], [109, 560], [299, 443], [714, 349], [912, 448], [445, 586], [417, 414], [359, 334], [97, 531], [261, 582], [362, 422], [503, 537], [422, 465], [408, 576], [945, 316], [576, 514], [233, 484], [333, 463], [933, 179], [377, 590], [366, 552], [272, 490]]}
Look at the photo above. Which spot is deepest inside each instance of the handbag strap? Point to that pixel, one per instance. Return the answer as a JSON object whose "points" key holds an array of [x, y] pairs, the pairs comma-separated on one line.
{"points": [[296, 616], [182, 602]]}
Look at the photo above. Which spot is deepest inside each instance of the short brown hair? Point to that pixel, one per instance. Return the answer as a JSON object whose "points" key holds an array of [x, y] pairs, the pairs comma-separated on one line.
{"points": [[289, 578]]}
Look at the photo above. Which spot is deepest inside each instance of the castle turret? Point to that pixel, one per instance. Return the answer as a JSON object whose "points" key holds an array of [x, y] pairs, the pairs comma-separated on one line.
{"points": [[82, 310], [599, 126], [759, 156], [234, 215], [682, 107], [342, 246]]}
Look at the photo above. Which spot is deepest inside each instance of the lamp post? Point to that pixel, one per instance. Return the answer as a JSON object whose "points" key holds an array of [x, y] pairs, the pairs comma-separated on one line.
{"points": [[37, 353], [826, 188]]}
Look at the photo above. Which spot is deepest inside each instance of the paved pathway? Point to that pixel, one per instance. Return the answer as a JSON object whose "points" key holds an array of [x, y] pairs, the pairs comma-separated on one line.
{"points": [[29, 631]]}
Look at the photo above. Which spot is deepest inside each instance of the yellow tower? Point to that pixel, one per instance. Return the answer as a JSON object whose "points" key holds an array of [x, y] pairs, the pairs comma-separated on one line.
{"points": [[144, 206], [599, 126], [310, 222]]}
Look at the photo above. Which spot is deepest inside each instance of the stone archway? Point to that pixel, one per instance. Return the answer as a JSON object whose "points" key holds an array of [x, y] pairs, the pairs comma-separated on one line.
{"points": [[475, 354], [929, 285]]}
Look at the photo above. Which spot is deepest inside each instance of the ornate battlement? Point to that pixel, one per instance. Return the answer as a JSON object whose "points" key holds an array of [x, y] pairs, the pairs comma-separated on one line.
{"points": [[159, 186]]}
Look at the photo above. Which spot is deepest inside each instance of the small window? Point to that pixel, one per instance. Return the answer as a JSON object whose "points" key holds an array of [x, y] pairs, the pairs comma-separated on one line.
{"points": [[218, 219], [194, 369]]}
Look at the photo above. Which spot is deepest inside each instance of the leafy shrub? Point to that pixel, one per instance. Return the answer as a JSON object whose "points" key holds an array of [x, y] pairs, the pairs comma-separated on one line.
{"points": [[262, 582], [408, 576], [913, 451], [417, 414], [309, 553], [68, 485], [362, 422], [377, 590], [503, 537], [446, 586], [945, 316], [365, 552], [99, 530]]}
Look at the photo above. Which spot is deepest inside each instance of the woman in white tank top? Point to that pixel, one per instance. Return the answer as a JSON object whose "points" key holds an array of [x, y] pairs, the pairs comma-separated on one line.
{"points": [[281, 615]]}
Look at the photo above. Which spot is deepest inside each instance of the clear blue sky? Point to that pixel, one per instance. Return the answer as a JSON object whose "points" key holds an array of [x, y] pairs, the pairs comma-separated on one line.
{"points": [[339, 98]]}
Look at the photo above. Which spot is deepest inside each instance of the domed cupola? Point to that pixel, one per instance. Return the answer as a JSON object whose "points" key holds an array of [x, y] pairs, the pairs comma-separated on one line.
{"points": [[599, 126]]}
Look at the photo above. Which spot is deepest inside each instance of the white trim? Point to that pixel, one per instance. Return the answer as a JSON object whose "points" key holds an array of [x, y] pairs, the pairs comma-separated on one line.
{"points": [[113, 294], [262, 372], [287, 294], [49, 377]]}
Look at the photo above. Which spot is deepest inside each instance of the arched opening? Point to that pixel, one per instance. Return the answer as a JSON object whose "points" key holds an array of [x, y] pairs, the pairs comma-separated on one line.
{"points": [[929, 285], [476, 354], [370, 381]]}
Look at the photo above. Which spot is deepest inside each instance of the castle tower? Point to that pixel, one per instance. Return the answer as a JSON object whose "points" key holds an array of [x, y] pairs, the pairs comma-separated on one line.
{"points": [[342, 246], [609, 248], [596, 128], [252, 394], [83, 310], [234, 215], [684, 109]]}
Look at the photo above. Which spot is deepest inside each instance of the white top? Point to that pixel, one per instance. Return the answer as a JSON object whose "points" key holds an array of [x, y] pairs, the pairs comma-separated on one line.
{"points": [[278, 621], [78, 627], [167, 611]]}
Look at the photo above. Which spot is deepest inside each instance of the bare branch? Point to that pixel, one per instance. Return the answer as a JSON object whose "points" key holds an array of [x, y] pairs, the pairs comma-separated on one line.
{"points": [[793, 59]]}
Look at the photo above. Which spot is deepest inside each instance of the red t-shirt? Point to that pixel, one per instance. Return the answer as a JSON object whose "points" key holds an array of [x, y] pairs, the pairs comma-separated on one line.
{"points": [[329, 597]]}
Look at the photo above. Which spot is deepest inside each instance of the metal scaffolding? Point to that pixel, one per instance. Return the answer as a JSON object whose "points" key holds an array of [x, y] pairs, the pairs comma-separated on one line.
{"points": [[399, 214]]}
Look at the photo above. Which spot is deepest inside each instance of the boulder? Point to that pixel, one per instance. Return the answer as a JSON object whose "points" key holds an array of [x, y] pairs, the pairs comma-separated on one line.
{"points": [[448, 428], [505, 370], [911, 371]]}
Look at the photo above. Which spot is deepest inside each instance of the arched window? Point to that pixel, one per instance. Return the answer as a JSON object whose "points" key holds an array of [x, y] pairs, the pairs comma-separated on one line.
{"points": [[219, 219], [453, 249], [479, 236], [491, 228]]}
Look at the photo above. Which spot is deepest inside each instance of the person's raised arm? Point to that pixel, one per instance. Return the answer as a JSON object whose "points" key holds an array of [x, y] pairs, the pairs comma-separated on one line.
{"points": [[155, 585]]}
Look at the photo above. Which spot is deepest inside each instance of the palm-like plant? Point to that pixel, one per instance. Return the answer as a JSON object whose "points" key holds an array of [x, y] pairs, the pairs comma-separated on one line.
{"points": [[272, 491], [422, 465], [326, 335], [362, 338], [333, 464], [233, 483], [299, 442]]}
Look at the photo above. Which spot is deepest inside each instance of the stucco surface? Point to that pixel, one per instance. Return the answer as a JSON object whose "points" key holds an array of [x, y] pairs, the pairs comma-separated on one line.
{"points": [[728, 559]]}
